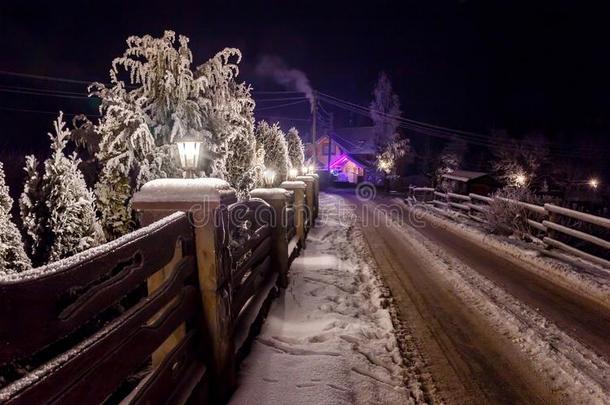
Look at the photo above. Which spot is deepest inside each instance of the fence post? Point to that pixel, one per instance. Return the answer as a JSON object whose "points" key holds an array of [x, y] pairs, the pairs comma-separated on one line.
{"points": [[298, 187], [316, 198], [309, 196], [205, 201], [276, 197]]}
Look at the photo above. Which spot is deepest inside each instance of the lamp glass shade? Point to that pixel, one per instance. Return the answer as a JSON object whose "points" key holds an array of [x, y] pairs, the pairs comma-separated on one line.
{"points": [[189, 154]]}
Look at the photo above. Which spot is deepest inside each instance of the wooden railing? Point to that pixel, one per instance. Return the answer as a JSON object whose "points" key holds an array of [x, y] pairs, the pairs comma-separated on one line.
{"points": [[162, 315], [574, 232], [84, 326]]}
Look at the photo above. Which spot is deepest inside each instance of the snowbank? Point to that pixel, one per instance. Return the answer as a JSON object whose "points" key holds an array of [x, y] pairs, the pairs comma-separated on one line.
{"points": [[582, 277], [328, 338]]}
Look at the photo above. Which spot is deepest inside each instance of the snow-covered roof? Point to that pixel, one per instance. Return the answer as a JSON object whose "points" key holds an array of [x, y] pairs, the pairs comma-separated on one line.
{"points": [[464, 175]]}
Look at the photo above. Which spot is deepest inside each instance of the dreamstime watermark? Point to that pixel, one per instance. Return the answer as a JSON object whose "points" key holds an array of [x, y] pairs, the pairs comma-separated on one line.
{"points": [[367, 209]]}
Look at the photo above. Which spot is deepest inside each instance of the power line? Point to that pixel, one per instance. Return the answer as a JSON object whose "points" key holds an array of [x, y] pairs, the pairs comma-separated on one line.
{"points": [[37, 93], [280, 105], [43, 112], [435, 130], [41, 77], [281, 99]]}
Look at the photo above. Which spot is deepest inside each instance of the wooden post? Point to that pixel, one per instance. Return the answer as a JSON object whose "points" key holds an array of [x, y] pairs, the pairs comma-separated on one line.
{"points": [[316, 202], [298, 187], [276, 197], [205, 201], [309, 196]]}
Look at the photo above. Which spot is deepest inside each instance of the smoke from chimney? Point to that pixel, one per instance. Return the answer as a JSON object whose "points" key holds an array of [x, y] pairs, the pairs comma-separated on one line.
{"points": [[293, 79]]}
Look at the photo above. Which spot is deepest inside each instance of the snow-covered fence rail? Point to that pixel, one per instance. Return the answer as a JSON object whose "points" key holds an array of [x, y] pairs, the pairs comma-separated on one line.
{"points": [[161, 315], [543, 222], [50, 322]]}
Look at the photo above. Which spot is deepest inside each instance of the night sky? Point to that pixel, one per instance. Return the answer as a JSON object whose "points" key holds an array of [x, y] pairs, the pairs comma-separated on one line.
{"points": [[470, 65]]}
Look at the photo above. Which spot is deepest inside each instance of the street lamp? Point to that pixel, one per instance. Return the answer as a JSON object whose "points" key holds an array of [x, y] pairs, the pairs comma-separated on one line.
{"points": [[594, 183], [292, 173], [311, 169], [269, 177], [189, 156]]}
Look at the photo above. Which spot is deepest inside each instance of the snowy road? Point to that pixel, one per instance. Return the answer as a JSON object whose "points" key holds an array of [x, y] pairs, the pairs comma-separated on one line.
{"points": [[490, 330]]}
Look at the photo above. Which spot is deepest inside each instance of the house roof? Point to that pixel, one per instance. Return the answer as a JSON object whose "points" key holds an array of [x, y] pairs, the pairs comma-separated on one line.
{"points": [[356, 140], [464, 175]]}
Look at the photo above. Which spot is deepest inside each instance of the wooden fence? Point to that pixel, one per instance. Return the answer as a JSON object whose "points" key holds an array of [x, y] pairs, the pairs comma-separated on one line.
{"points": [[161, 315], [574, 232]]}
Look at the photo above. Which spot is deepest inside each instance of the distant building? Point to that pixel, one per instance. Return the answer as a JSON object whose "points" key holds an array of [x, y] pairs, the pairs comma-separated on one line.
{"points": [[350, 154], [465, 182]]}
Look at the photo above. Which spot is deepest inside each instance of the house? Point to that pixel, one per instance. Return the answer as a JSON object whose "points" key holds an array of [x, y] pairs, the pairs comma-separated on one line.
{"points": [[465, 182], [348, 153]]}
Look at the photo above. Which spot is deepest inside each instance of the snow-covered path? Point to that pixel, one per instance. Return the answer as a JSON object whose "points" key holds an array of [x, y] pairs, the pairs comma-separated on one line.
{"points": [[329, 337]]}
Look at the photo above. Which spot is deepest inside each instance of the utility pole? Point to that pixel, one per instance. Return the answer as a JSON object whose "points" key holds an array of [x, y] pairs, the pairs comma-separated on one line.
{"points": [[314, 113], [330, 138]]}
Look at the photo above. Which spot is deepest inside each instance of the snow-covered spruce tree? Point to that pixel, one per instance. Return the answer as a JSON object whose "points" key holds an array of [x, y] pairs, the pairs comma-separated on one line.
{"points": [[384, 111], [240, 163], [35, 214], [296, 150], [13, 258], [274, 143], [72, 221]]}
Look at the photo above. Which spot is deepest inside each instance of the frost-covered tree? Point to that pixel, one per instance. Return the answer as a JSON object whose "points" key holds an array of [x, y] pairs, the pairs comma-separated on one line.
{"points": [[13, 258], [155, 99], [128, 156], [296, 150], [518, 162], [391, 153], [274, 143], [240, 164], [449, 160], [72, 220], [35, 214], [226, 106], [385, 111]]}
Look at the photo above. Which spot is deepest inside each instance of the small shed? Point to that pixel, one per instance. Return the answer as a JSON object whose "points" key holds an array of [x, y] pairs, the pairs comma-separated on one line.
{"points": [[465, 182]]}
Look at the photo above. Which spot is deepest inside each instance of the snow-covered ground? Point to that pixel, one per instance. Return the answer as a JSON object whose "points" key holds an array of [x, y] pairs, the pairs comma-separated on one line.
{"points": [[329, 338], [569, 271]]}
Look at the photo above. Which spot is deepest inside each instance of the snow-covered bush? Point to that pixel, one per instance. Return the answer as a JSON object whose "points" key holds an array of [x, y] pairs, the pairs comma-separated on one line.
{"points": [[274, 144], [67, 223], [13, 258], [296, 150], [506, 216]]}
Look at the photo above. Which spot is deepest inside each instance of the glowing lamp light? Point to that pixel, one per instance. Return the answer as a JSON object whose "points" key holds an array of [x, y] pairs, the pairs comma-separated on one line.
{"points": [[189, 156], [311, 169], [594, 183], [269, 177], [292, 173], [520, 179], [304, 170]]}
